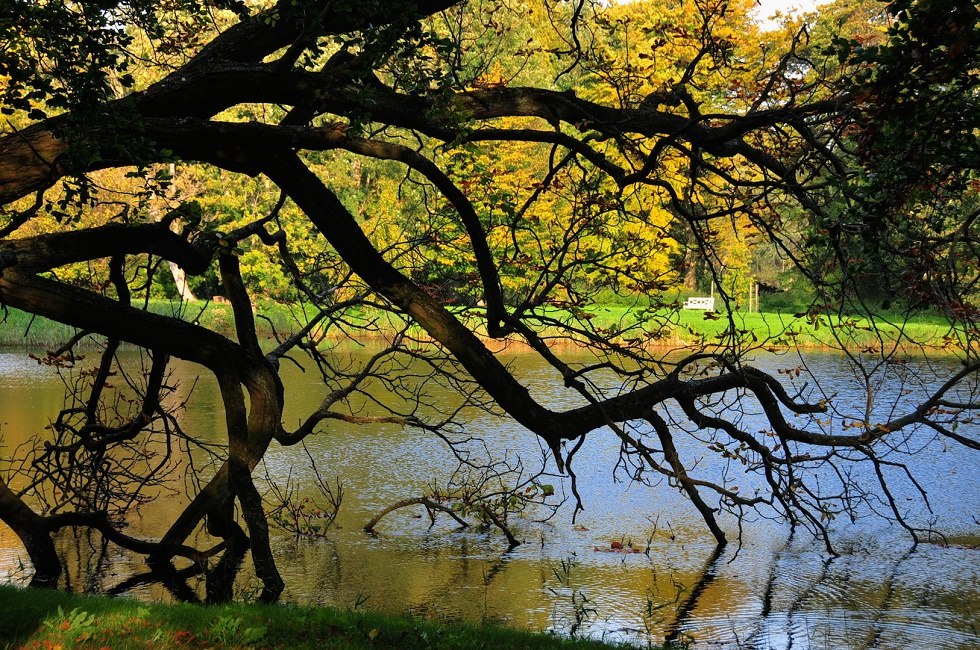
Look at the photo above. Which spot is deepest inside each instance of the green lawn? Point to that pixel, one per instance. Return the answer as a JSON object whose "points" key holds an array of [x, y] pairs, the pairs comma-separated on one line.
{"points": [[672, 328], [46, 619], [787, 329]]}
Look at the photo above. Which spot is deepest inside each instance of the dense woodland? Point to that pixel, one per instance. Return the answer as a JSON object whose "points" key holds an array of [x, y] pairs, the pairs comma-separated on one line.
{"points": [[446, 177]]}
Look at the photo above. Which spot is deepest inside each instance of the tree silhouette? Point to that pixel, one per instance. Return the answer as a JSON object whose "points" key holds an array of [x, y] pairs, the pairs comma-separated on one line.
{"points": [[780, 145]]}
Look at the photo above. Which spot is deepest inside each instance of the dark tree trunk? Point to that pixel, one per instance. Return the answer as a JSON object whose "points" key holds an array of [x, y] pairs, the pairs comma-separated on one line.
{"points": [[33, 532]]}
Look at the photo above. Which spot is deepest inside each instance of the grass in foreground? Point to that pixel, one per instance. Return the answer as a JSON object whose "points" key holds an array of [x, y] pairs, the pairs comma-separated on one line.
{"points": [[46, 619]]}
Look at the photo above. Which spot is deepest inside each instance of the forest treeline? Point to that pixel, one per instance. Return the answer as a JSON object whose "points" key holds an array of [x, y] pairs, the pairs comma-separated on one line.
{"points": [[626, 245]]}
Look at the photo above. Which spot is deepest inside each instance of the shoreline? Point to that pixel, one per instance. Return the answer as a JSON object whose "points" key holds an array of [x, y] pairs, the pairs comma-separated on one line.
{"points": [[772, 332]]}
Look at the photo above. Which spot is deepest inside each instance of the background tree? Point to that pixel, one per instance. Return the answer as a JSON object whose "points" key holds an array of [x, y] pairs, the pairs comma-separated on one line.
{"points": [[375, 163]]}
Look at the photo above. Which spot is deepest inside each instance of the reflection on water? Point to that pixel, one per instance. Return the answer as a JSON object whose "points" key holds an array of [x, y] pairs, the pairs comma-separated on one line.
{"points": [[776, 591]]}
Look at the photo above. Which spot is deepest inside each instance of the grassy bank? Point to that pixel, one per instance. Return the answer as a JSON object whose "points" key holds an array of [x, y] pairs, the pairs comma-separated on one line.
{"points": [[22, 329], [788, 330], [52, 619], [683, 327]]}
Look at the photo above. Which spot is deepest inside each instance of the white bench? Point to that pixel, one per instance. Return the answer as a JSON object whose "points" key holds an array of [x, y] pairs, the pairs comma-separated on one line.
{"points": [[705, 304]]}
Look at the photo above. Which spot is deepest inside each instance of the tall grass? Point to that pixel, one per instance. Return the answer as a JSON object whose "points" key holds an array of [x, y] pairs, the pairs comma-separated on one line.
{"points": [[20, 329]]}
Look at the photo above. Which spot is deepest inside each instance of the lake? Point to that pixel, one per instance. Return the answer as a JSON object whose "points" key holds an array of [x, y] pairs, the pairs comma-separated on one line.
{"points": [[773, 590]]}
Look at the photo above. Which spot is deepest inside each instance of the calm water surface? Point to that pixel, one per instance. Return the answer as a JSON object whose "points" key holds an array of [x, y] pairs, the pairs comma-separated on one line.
{"points": [[775, 591]]}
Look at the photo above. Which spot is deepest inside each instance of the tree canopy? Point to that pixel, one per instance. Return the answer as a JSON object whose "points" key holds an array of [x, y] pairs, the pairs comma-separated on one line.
{"points": [[473, 173]]}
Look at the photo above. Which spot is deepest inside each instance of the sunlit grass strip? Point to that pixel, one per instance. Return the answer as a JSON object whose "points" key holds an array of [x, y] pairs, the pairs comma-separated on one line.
{"points": [[21, 329], [18, 328], [850, 333], [52, 619], [765, 330]]}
